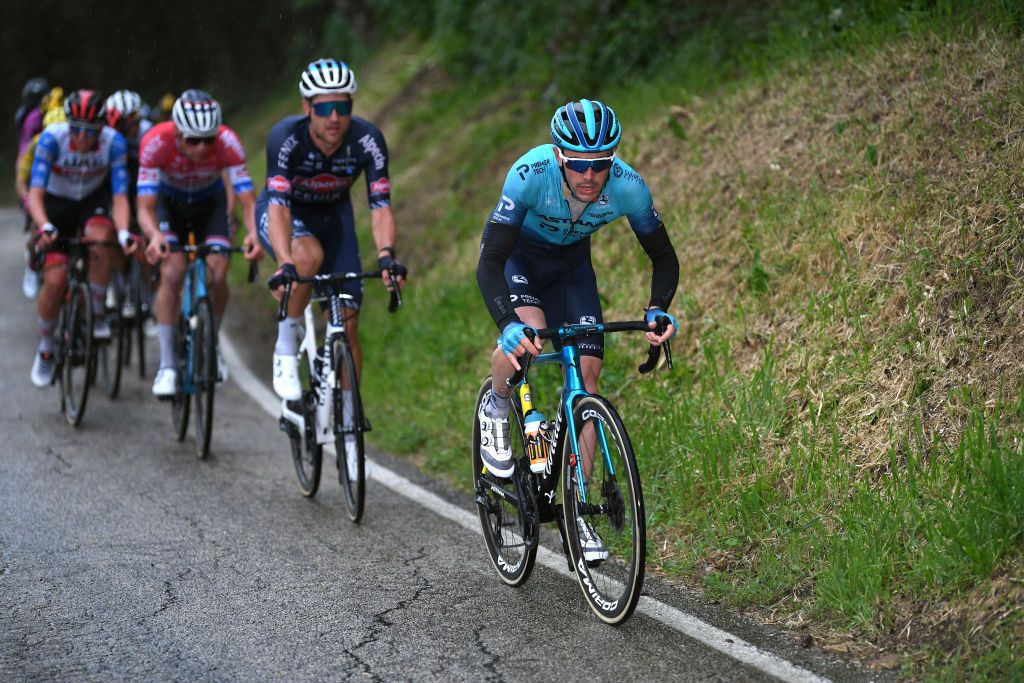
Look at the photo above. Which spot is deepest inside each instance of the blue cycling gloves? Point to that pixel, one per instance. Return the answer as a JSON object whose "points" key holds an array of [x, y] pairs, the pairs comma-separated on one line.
{"points": [[653, 313], [511, 336]]}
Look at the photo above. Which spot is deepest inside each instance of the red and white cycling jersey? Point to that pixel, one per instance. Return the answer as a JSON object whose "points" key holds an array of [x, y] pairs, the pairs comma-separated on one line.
{"points": [[164, 168]]}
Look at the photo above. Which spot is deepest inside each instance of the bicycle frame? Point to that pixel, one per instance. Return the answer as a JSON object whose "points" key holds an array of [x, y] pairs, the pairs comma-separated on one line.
{"points": [[193, 290]]}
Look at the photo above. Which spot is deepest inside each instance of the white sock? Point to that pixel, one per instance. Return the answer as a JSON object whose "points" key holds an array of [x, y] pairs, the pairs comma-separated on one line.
{"points": [[166, 333], [287, 337]]}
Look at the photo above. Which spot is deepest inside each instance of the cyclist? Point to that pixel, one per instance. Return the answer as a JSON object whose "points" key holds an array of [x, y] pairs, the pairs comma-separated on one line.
{"points": [[53, 112], [305, 212], [69, 192], [535, 264], [180, 188]]}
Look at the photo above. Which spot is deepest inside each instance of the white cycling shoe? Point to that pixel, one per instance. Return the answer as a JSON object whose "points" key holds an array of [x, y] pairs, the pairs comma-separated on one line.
{"points": [[286, 377], [101, 328], [222, 368], [166, 383], [42, 369], [30, 284]]}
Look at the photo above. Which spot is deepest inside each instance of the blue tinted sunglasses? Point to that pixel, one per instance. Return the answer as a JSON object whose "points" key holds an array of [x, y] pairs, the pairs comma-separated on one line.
{"points": [[582, 165], [324, 109]]}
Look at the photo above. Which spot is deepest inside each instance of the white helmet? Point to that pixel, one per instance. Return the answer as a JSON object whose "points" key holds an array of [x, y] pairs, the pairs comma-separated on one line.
{"points": [[120, 106], [327, 77], [196, 114]]}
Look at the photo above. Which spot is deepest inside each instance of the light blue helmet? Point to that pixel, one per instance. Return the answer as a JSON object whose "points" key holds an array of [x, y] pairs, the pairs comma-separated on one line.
{"points": [[585, 126]]}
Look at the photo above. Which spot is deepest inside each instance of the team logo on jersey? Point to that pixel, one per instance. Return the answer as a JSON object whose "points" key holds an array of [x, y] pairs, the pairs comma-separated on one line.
{"points": [[588, 320], [603, 201], [520, 280], [278, 183], [506, 204], [322, 184], [381, 186], [370, 147]]}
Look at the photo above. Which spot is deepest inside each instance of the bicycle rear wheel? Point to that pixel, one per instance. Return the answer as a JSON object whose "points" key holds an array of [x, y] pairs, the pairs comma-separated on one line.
{"points": [[110, 353], [77, 353], [307, 454], [181, 400], [510, 536], [348, 422], [204, 373], [614, 510]]}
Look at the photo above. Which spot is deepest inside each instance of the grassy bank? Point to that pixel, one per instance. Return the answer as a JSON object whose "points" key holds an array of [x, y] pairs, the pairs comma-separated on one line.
{"points": [[839, 447]]}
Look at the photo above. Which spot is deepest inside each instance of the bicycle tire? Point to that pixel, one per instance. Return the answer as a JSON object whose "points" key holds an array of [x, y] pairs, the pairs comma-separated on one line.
{"points": [[614, 509], [307, 454], [110, 354], [181, 401], [509, 536], [345, 374], [77, 354], [204, 374]]}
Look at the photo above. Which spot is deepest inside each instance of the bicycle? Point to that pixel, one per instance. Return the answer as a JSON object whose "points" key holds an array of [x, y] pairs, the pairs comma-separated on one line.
{"points": [[136, 310], [196, 347], [330, 406], [74, 345], [607, 500]]}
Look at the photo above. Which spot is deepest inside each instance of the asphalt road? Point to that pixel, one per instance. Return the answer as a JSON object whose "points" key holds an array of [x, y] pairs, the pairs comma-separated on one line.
{"points": [[122, 556]]}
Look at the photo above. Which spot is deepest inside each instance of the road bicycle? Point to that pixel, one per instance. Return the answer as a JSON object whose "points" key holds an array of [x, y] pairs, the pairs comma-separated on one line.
{"points": [[75, 348], [136, 309], [195, 349], [330, 410], [586, 452]]}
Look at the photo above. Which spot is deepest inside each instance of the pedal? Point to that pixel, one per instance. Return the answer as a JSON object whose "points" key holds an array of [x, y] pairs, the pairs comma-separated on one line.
{"points": [[366, 424], [288, 428]]}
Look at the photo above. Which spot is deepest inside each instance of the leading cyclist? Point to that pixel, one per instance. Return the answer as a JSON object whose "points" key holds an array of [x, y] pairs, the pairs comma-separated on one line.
{"points": [[305, 212], [535, 264]]}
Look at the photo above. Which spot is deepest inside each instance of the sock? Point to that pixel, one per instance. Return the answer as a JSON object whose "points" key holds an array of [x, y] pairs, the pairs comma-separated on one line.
{"points": [[287, 337], [99, 299], [497, 407], [46, 335], [166, 333]]}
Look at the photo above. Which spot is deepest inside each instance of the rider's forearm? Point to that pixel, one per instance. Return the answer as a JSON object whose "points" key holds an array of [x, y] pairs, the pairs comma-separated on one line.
{"points": [[248, 202], [382, 224], [279, 229], [146, 216], [36, 209], [665, 277], [495, 247], [121, 210]]}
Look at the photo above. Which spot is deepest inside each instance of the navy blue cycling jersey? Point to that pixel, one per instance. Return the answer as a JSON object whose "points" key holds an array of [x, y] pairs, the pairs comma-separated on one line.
{"points": [[299, 173]]}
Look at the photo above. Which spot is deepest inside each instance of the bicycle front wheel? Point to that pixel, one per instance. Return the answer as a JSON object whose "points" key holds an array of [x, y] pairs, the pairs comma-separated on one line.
{"points": [[110, 353], [77, 355], [181, 400], [204, 373], [510, 534], [348, 422], [604, 519], [307, 454]]}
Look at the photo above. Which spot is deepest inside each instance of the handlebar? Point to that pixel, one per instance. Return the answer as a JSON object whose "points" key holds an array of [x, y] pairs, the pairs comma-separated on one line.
{"points": [[203, 250], [571, 331], [336, 278]]}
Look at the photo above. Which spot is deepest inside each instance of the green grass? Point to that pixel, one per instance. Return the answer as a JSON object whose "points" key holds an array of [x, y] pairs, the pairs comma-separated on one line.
{"points": [[840, 441]]}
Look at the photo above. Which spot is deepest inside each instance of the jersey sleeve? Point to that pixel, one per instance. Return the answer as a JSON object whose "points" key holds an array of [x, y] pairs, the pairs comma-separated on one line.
{"points": [[26, 159], [47, 150], [233, 159], [152, 154], [118, 164], [515, 195], [280, 144], [637, 203], [378, 187]]}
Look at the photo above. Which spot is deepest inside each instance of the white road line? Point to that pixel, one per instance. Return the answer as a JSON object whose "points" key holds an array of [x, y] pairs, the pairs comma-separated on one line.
{"points": [[680, 621]]}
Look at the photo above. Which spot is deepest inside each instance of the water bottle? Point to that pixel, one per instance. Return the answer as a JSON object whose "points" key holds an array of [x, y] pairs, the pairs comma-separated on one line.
{"points": [[535, 429]]}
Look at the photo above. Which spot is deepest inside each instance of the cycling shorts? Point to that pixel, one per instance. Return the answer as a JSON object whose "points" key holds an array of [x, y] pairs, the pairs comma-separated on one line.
{"points": [[561, 281], [207, 218], [69, 216], [333, 225]]}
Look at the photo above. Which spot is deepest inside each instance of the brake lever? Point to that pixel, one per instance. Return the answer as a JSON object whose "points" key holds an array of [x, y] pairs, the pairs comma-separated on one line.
{"points": [[396, 294], [254, 270], [282, 307]]}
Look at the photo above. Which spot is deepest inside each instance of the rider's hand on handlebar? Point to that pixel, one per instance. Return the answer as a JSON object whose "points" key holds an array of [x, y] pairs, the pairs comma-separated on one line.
{"points": [[285, 274], [251, 247], [514, 343], [45, 235], [388, 264], [651, 317], [157, 249], [129, 242]]}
